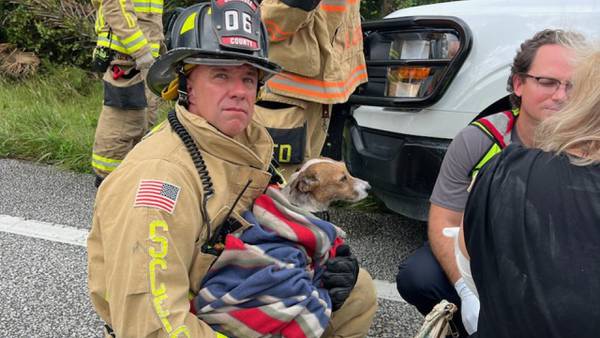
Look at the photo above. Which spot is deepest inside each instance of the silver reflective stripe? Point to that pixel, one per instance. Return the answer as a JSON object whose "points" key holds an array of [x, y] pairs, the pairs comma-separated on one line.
{"points": [[501, 121]]}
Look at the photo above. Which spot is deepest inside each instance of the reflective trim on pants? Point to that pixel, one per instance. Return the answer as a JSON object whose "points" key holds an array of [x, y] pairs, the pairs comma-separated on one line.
{"points": [[105, 163], [120, 129]]}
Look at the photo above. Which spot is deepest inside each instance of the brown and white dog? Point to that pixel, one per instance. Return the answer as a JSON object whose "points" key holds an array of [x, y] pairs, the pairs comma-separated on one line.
{"points": [[319, 182]]}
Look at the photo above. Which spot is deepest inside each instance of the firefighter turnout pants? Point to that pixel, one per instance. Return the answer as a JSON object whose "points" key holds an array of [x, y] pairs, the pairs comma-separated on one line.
{"points": [[129, 110], [298, 129]]}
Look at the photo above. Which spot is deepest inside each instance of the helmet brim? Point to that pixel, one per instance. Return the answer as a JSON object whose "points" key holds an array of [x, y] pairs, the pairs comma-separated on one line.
{"points": [[163, 71]]}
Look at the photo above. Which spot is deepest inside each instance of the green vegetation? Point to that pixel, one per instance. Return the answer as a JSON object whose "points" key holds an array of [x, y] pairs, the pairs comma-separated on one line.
{"points": [[60, 30], [369, 204], [50, 118]]}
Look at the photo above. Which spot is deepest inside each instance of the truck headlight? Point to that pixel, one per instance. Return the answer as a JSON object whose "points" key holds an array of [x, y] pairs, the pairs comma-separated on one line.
{"points": [[418, 81], [411, 60]]}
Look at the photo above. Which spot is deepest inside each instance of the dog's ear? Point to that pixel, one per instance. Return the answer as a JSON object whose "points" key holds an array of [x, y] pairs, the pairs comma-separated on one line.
{"points": [[307, 182]]}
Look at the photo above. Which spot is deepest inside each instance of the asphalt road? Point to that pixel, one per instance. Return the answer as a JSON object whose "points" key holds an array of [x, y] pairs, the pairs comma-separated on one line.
{"points": [[43, 283]]}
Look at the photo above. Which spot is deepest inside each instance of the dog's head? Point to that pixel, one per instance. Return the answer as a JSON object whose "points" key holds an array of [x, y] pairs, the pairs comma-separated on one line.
{"points": [[322, 181]]}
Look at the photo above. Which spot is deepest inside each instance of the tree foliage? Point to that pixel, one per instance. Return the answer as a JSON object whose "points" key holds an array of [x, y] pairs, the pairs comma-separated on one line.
{"points": [[61, 31]]}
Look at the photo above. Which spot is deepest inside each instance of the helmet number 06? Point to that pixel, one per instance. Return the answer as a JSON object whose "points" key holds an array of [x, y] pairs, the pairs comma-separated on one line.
{"points": [[232, 21]]}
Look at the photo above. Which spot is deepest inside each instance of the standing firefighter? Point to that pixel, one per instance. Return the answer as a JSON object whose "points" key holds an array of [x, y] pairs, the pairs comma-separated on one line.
{"points": [[160, 217], [319, 46], [130, 35]]}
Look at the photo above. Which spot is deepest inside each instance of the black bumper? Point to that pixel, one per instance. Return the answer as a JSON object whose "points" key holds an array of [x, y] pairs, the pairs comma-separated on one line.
{"points": [[401, 169]]}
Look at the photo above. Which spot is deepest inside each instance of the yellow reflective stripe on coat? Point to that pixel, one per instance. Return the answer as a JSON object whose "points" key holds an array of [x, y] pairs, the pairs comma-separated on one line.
{"points": [[148, 6], [112, 43], [116, 44], [155, 49], [159, 289], [135, 42], [105, 163], [130, 20], [99, 18], [154, 129]]}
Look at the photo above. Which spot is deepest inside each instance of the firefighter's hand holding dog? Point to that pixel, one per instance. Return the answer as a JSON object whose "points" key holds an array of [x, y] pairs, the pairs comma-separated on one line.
{"points": [[340, 276]]}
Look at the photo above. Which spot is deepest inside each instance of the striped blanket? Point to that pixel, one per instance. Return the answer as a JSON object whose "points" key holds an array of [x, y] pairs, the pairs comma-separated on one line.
{"points": [[266, 283]]}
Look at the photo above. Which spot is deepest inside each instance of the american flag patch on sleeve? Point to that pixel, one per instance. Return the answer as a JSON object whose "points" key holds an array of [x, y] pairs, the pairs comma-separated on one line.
{"points": [[157, 194]]}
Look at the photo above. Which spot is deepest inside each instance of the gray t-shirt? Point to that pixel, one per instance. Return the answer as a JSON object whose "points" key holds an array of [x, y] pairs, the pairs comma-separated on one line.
{"points": [[467, 148]]}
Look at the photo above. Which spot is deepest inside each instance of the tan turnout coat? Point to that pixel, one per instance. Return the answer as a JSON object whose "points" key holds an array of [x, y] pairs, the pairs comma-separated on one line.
{"points": [[131, 27], [141, 260], [321, 51]]}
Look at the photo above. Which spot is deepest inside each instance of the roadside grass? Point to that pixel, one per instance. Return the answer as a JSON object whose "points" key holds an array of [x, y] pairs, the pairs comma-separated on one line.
{"points": [[371, 204], [50, 118]]}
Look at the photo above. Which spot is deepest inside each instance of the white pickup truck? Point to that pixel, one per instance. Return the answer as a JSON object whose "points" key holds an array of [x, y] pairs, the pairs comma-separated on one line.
{"points": [[432, 70]]}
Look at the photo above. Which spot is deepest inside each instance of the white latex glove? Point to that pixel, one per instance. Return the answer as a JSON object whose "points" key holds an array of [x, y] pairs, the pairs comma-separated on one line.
{"points": [[469, 306], [462, 263], [144, 61]]}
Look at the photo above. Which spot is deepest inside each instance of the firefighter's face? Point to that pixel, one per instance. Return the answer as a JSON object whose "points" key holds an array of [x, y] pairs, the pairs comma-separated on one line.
{"points": [[224, 96], [538, 99]]}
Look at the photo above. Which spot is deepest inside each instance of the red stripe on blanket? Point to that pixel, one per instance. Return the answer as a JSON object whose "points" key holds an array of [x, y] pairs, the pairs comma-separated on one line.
{"points": [[293, 330], [258, 321], [304, 235], [336, 243], [233, 243]]}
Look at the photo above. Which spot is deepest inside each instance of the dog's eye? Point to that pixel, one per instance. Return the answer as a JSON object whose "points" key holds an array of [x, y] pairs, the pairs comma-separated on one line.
{"points": [[344, 178]]}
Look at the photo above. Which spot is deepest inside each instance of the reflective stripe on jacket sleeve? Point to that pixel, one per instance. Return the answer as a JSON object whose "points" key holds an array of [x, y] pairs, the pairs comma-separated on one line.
{"points": [[126, 35]]}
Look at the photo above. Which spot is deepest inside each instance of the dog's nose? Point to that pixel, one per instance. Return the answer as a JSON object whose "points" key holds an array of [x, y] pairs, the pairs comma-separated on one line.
{"points": [[365, 185]]}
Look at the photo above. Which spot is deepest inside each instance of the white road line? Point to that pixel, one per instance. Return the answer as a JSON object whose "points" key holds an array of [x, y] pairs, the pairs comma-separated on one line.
{"points": [[75, 236], [48, 231], [387, 290]]}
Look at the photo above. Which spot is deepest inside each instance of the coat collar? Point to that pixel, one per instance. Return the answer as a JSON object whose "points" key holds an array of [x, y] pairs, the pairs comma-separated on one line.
{"points": [[253, 147]]}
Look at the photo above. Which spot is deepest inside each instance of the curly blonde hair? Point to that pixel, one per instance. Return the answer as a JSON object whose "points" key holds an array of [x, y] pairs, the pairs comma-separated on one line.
{"points": [[577, 126]]}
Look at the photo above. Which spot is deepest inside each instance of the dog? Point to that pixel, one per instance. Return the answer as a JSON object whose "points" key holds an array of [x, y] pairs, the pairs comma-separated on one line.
{"points": [[319, 182]]}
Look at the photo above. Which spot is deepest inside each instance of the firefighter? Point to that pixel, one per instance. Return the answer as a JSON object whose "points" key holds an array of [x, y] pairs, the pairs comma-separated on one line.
{"points": [[157, 214], [130, 36], [319, 45]]}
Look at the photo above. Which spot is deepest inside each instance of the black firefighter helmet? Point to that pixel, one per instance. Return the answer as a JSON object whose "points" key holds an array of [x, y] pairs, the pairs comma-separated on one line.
{"points": [[220, 33]]}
